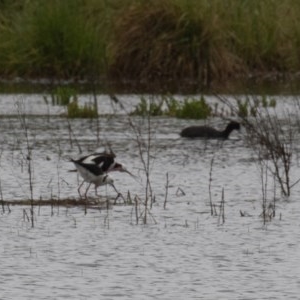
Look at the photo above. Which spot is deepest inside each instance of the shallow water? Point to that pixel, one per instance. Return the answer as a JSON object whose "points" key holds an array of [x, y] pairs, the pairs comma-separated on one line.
{"points": [[182, 253]]}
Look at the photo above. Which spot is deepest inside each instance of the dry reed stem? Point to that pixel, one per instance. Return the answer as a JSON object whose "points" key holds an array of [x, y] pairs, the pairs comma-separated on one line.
{"points": [[144, 149], [180, 192], [222, 208], [269, 139], [209, 185], [167, 188], [72, 136], [28, 155]]}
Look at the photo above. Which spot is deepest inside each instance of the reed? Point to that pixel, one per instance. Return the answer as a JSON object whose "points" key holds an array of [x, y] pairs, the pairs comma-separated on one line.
{"points": [[271, 138], [167, 190], [27, 155], [168, 39], [143, 135], [194, 109], [1, 193], [221, 219], [274, 140], [209, 186], [268, 207]]}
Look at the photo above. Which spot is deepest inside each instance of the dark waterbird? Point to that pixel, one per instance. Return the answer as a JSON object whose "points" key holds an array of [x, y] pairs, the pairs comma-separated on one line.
{"points": [[207, 132]]}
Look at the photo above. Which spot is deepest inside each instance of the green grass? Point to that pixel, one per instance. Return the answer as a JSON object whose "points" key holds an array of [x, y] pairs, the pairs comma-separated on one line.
{"points": [[154, 41], [152, 108], [194, 109], [67, 96], [190, 108], [75, 111], [197, 108], [63, 96], [52, 39], [247, 108]]}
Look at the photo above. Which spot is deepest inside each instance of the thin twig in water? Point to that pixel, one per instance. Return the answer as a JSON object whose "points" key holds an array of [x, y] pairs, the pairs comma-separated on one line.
{"points": [[180, 192], [25, 216], [28, 155], [136, 202], [1, 194], [97, 119], [209, 185], [222, 208], [167, 188], [71, 134], [144, 145]]}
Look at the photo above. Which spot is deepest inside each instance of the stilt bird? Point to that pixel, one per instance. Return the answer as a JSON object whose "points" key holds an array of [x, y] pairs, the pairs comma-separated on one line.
{"points": [[93, 169]]}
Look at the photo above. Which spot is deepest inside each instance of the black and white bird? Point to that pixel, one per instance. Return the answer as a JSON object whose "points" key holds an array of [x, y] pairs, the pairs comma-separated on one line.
{"points": [[103, 160], [93, 169], [207, 132]]}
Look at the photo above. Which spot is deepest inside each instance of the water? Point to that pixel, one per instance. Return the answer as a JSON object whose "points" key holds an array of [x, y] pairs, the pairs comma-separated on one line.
{"points": [[182, 253]]}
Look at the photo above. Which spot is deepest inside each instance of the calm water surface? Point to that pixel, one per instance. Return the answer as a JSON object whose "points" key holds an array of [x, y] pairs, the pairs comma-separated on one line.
{"points": [[182, 253]]}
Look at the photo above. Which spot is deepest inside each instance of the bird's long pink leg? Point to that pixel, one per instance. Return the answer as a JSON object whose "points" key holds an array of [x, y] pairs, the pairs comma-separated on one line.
{"points": [[80, 188], [96, 190], [87, 190], [119, 194]]}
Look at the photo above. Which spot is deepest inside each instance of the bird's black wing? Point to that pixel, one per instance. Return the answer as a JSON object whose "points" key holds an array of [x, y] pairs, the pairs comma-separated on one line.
{"points": [[104, 160], [91, 168]]}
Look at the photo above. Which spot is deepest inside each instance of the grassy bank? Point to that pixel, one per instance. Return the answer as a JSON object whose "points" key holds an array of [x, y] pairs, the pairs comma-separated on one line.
{"points": [[202, 41]]}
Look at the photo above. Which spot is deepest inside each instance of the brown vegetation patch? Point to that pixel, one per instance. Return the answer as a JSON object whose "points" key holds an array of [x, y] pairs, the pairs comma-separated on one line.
{"points": [[68, 202], [159, 40]]}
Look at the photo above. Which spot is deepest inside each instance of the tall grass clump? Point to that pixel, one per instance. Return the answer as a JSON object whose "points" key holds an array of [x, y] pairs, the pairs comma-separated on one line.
{"points": [[54, 39], [66, 45], [75, 111], [162, 39], [68, 97], [63, 96], [13, 47], [194, 109], [256, 34]]}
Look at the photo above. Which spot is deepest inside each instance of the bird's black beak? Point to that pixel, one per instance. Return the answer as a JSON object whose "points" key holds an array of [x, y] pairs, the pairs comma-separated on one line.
{"points": [[126, 171]]}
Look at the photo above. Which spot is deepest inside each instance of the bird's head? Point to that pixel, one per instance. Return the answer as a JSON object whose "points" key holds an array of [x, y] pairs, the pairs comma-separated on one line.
{"points": [[121, 168]]}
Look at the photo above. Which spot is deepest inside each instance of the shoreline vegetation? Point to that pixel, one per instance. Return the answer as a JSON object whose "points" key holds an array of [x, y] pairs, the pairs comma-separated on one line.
{"points": [[157, 46]]}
